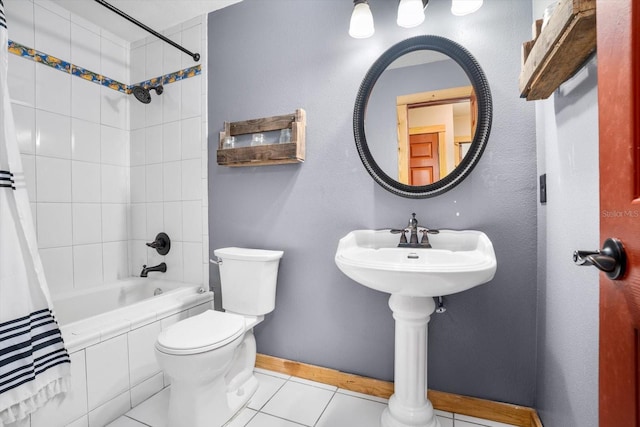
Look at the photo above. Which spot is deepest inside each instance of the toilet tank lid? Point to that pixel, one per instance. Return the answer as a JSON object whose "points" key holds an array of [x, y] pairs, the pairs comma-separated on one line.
{"points": [[248, 254]]}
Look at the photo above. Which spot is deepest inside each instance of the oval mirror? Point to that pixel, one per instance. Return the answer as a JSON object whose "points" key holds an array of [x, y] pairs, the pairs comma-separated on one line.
{"points": [[422, 116]]}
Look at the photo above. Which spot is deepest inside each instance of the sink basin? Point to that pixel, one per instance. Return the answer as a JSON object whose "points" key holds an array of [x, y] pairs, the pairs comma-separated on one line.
{"points": [[459, 260]]}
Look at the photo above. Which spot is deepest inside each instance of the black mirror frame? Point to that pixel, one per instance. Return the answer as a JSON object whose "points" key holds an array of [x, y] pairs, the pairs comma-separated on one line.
{"points": [[483, 128]]}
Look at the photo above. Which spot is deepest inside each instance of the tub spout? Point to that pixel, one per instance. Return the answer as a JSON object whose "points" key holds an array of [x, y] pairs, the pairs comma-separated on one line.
{"points": [[162, 267]]}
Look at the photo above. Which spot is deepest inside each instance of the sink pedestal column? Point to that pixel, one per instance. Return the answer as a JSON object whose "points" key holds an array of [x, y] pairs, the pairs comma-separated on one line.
{"points": [[409, 406]]}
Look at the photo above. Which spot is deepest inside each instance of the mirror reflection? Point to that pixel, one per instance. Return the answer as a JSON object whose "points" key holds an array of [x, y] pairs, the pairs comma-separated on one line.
{"points": [[420, 128]]}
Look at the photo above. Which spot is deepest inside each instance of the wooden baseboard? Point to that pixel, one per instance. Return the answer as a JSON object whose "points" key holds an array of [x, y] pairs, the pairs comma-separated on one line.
{"points": [[339, 379], [535, 419], [521, 416]]}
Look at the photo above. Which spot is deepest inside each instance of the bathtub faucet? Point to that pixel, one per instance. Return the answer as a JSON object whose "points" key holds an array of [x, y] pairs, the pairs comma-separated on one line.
{"points": [[162, 267]]}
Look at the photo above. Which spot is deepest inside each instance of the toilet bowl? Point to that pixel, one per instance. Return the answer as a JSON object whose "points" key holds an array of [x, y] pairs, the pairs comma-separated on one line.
{"points": [[210, 357]]}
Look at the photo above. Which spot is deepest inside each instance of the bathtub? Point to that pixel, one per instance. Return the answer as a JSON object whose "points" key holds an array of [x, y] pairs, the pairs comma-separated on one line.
{"points": [[96, 313], [110, 332]]}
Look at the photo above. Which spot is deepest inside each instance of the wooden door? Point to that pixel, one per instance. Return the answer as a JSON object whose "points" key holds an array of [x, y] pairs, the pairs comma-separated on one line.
{"points": [[423, 158], [619, 122]]}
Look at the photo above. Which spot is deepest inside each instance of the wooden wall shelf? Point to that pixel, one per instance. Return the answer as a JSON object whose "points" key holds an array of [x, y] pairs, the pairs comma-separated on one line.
{"points": [[272, 154], [559, 50]]}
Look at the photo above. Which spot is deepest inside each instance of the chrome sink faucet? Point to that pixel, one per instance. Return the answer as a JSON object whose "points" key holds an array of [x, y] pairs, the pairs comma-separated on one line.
{"points": [[413, 229]]}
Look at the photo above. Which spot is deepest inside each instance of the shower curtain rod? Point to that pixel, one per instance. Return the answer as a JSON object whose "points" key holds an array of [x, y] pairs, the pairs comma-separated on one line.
{"points": [[195, 56]]}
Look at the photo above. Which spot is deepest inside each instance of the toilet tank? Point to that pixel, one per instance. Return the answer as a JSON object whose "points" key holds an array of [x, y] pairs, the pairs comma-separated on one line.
{"points": [[248, 279]]}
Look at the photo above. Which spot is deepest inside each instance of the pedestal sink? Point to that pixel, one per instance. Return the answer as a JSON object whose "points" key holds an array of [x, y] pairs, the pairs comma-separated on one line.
{"points": [[457, 261]]}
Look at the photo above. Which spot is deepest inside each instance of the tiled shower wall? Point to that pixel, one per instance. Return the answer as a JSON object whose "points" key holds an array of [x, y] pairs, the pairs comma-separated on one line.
{"points": [[105, 173], [169, 157]]}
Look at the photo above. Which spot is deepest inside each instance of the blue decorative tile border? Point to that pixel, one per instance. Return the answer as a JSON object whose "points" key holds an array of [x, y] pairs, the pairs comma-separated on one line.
{"points": [[67, 67], [171, 77], [86, 74]]}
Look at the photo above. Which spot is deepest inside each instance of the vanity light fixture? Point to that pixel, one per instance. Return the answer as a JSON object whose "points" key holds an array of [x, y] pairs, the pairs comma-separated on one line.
{"points": [[361, 25], [465, 7], [411, 12]]}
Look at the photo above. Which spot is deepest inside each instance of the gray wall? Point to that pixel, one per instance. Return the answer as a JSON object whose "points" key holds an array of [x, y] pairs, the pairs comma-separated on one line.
{"points": [[567, 133], [272, 57]]}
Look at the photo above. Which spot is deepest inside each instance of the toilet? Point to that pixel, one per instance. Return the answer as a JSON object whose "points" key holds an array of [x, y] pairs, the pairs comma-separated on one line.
{"points": [[210, 357]]}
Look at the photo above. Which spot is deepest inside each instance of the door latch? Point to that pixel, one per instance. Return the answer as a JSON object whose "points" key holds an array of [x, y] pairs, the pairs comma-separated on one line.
{"points": [[611, 259]]}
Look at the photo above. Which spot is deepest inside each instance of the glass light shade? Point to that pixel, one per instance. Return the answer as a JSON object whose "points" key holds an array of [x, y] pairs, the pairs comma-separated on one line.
{"points": [[410, 13], [465, 7], [361, 25]]}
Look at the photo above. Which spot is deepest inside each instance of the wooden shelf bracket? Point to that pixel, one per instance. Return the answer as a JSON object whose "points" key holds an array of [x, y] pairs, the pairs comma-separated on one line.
{"points": [[560, 50]]}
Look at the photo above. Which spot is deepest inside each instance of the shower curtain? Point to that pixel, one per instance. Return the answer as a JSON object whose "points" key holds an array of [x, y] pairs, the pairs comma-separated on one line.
{"points": [[34, 363]]}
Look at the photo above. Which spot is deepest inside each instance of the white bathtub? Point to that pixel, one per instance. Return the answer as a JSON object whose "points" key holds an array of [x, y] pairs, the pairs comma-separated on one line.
{"points": [[99, 312], [110, 332]]}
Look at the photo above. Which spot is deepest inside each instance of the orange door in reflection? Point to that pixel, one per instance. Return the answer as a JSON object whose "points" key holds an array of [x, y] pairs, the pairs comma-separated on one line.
{"points": [[423, 158]]}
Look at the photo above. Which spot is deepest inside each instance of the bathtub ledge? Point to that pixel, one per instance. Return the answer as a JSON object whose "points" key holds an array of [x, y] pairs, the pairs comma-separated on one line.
{"points": [[82, 334], [75, 339]]}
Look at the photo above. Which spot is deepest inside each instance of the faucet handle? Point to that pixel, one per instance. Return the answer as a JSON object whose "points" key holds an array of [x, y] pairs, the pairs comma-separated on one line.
{"points": [[427, 230], [425, 239], [162, 244], [403, 238]]}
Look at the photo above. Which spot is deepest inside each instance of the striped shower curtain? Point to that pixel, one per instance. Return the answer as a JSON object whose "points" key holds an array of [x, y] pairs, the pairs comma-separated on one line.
{"points": [[34, 363]]}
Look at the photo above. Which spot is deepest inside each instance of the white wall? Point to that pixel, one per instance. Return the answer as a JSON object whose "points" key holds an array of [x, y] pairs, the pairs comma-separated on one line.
{"points": [[105, 174], [462, 123], [568, 296]]}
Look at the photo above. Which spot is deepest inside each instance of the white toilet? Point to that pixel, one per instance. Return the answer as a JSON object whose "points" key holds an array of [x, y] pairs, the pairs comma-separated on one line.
{"points": [[210, 357]]}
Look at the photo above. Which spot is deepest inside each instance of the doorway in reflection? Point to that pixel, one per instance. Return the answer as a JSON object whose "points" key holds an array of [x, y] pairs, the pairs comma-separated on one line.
{"points": [[434, 132], [418, 108]]}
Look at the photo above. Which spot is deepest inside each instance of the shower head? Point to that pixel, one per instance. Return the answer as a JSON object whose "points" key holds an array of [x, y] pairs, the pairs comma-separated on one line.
{"points": [[142, 94]]}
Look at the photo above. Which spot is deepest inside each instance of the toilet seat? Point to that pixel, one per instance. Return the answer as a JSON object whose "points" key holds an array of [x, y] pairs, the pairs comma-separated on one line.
{"points": [[198, 334]]}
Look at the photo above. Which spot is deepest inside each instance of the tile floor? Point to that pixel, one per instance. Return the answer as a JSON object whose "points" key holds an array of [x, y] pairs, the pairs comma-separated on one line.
{"points": [[285, 401]]}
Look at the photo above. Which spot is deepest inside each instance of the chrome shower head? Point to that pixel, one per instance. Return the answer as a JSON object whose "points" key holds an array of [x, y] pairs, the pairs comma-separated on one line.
{"points": [[142, 94]]}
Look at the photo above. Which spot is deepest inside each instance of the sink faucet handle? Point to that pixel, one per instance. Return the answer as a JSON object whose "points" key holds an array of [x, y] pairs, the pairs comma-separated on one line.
{"points": [[425, 238], [403, 238], [427, 230]]}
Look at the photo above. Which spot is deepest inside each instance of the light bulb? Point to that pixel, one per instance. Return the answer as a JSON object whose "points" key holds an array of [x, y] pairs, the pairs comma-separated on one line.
{"points": [[465, 7], [361, 25], [410, 13]]}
